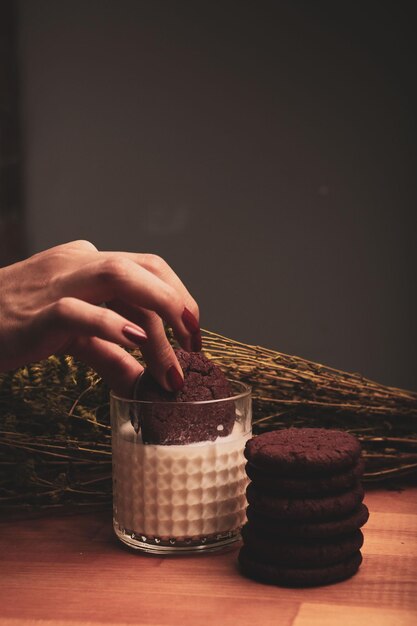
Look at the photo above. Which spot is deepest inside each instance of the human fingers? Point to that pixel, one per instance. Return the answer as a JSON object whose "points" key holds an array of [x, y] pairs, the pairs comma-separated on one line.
{"points": [[120, 278], [160, 268], [68, 318], [157, 351], [117, 367]]}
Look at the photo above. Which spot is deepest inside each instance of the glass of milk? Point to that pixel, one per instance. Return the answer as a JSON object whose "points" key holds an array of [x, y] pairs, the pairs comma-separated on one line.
{"points": [[174, 499]]}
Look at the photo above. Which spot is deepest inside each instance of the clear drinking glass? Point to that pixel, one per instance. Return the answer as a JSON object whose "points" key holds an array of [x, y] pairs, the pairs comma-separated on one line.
{"points": [[171, 499]]}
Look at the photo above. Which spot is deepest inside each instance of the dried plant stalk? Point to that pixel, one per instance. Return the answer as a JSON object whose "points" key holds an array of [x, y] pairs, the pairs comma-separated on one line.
{"points": [[55, 433]]}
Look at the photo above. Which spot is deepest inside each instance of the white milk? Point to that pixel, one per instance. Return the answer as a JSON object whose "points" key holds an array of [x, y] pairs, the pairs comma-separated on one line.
{"points": [[179, 491]]}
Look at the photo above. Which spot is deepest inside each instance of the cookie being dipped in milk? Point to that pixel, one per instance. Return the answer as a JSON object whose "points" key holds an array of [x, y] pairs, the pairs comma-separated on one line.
{"points": [[178, 463], [204, 381]]}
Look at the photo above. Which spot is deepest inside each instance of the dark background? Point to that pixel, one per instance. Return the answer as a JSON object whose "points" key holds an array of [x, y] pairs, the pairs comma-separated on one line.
{"points": [[265, 149]]}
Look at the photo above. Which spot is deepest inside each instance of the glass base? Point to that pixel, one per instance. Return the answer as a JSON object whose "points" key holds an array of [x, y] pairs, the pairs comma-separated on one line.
{"points": [[173, 546]]}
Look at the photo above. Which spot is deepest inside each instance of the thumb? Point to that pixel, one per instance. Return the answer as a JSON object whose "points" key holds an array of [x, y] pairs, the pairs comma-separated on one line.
{"points": [[117, 367]]}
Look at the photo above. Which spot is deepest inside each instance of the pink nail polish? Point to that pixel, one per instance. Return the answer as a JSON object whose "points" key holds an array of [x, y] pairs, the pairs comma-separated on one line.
{"points": [[135, 335], [190, 322], [174, 378]]}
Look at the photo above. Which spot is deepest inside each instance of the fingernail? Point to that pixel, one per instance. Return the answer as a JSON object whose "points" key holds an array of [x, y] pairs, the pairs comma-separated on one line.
{"points": [[174, 378], [196, 342], [190, 322], [134, 334]]}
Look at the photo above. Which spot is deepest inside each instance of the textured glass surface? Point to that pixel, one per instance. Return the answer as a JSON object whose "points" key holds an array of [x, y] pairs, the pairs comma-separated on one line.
{"points": [[170, 498]]}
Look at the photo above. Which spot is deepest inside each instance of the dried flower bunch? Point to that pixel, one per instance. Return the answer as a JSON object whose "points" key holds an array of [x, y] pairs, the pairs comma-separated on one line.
{"points": [[55, 440]]}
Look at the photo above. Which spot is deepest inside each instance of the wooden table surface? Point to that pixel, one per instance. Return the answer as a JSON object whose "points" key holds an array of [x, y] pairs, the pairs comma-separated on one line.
{"points": [[70, 570]]}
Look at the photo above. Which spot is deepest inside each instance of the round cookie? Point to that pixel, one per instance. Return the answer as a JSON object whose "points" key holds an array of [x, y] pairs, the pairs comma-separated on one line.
{"points": [[309, 530], [317, 485], [297, 577], [304, 509], [301, 451], [167, 420], [301, 553]]}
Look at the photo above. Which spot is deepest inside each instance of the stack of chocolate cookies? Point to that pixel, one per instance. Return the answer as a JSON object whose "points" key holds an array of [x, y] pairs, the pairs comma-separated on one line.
{"points": [[305, 507]]}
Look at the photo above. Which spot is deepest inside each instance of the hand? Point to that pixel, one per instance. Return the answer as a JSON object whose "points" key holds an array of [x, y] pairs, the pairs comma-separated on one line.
{"points": [[49, 304]]}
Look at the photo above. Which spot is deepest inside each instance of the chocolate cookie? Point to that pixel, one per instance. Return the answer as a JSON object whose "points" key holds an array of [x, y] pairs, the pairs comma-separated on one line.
{"points": [[297, 577], [267, 526], [169, 419], [304, 509], [301, 451], [301, 553], [304, 486]]}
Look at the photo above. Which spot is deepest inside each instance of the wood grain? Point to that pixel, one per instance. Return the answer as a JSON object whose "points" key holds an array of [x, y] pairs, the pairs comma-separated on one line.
{"points": [[71, 570], [347, 615]]}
